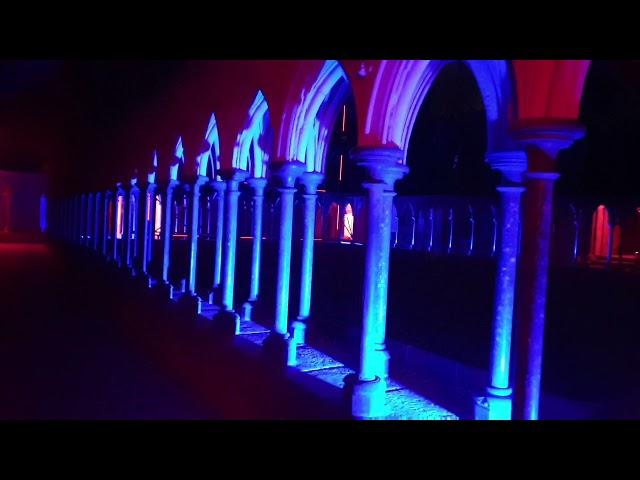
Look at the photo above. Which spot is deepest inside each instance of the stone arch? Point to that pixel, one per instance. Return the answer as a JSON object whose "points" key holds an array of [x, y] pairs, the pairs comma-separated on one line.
{"points": [[255, 142], [208, 160], [309, 121], [401, 86]]}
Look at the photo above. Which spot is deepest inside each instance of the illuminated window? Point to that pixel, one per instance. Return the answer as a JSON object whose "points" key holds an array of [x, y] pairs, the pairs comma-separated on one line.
{"points": [[157, 225], [347, 230], [120, 217]]}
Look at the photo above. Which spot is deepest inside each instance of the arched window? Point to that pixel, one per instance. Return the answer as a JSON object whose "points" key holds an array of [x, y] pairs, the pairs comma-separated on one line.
{"points": [[120, 216], [347, 220], [157, 224]]}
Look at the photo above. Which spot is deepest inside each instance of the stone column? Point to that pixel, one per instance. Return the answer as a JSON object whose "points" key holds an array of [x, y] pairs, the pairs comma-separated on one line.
{"points": [[105, 222], [276, 344], [88, 235], [96, 220], [310, 182], [127, 227], [135, 217], [384, 168], [195, 303], [148, 225], [82, 234], [118, 193], [542, 146], [227, 319], [219, 187], [257, 185], [497, 403], [167, 235], [76, 219]]}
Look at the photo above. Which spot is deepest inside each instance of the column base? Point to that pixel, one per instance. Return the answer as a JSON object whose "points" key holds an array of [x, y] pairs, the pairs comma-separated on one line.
{"points": [[247, 310], [277, 348], [214, 296], [226, 323], [165, 289], [495, 405], [299, 330], [368, 397], [192, 304]]}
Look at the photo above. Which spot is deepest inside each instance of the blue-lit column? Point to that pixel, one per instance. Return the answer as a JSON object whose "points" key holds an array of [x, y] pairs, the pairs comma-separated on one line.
{"points": [[96, 219], [148, 223], [498, 400], [105, 222], [89, 228], [195, 301], [384, 168], [75, 238], [167, 234], [257, 185], [277, 343], [219, 187], [310, 182], [227, 319], [118, 193], [82, 237], [135, 218], [542, 146], [87, 217], [128, 227]]}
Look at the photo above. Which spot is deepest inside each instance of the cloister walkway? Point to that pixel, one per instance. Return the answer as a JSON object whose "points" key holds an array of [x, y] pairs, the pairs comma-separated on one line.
{"points": [[82, 341]]}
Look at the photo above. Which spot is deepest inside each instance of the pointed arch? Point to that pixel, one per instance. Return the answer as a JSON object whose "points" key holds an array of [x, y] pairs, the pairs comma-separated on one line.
{"points": [[178, 160], [310, 119], [400, 87], [208, 160], [254, 143]]}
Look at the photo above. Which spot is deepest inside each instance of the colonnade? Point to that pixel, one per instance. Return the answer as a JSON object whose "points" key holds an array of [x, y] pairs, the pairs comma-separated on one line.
{"points": [[92, 221]]}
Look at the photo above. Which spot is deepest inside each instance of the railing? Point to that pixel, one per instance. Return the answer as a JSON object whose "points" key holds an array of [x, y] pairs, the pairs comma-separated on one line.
{"points": [[585, 232]]}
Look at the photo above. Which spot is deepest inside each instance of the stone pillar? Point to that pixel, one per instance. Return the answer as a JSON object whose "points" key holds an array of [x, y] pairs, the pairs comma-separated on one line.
{"points": [[257, 185], [384, 168], [76, 219], [135, 217], [227, 319], [82, 221], [88, 235], [118, 193], [96, 219], [497, 403], [542, 146], [167, 235], [219, 187], [195, 303], [148, 225], [105, 222], [276, 344], [128, 227], [310, 182]]}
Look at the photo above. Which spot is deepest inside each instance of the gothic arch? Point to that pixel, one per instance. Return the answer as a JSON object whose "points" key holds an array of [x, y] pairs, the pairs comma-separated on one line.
{"points": [[401, 86], [312, 113]]}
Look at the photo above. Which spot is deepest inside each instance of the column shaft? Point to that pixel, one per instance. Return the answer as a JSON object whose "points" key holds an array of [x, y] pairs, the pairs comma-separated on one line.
{"points": [[105, 223], [147, 223], [193, 235], [505, 288], [167, 232], [373, 354], [256, 248], [219, 187], [229, 245], [532, 292], [96, 220], [284, 260]]}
